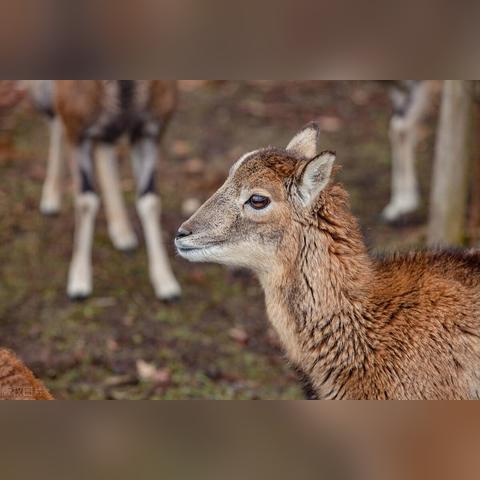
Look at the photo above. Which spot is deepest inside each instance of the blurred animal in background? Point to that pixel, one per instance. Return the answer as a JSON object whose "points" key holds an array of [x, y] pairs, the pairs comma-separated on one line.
{"points": [[405, 327], [43, 99], [411, 100], [17, 382], [95, 114]]}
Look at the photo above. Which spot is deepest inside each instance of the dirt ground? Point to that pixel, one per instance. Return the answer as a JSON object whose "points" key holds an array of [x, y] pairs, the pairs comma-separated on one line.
{"points": [[216, 342]]}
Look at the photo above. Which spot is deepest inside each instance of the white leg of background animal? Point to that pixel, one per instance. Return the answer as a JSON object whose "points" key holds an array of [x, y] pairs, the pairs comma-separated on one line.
{"points": [[412, 106], [145, 155], [119, 228], [86, 207], [52, 188]]}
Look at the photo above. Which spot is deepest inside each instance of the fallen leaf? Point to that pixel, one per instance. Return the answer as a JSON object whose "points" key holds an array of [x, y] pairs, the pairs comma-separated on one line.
{"points": [[150, 373], [239, 335]]}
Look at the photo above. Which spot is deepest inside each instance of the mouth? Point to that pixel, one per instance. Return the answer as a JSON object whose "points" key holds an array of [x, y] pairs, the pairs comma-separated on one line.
{"points": [[186, 251], [193, 252]]}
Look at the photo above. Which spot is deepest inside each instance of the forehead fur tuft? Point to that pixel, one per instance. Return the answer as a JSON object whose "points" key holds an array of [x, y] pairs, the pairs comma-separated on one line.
{"points": [[277, 160]]}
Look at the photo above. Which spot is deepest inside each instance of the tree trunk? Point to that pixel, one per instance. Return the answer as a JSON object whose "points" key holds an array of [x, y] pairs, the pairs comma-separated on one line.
{"points": [[474, 214], [448, 199]]}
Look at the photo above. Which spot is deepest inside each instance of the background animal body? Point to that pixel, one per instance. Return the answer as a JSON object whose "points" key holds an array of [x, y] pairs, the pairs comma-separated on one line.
{"points": [[216, 343], [95, 114]]}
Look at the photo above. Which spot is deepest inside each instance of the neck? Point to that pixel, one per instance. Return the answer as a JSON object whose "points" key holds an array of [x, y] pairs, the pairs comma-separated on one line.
{"points": [[316, 297]]}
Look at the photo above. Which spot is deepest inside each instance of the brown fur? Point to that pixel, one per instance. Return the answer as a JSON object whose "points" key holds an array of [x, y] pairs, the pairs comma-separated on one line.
{"points": [[81, 102], [407, 327], [17, 382]]}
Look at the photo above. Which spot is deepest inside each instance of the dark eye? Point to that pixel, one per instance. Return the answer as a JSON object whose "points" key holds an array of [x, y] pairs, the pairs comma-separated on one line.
{"points": [[258, 201]]}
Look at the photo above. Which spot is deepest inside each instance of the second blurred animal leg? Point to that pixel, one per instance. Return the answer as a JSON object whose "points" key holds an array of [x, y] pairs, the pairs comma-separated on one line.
{"points": [[411, 105], [119, 227], [50, 203], [145, 154]]}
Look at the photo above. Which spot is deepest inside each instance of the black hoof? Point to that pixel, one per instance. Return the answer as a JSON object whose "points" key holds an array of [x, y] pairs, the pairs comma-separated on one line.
{"points": [[173, 300], [129, 251], [406, 220], [51, 213], [78, 298]]}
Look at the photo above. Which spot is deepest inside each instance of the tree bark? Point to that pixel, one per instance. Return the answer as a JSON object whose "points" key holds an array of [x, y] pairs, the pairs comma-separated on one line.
{"points": [[474, 210], [448, 199]]}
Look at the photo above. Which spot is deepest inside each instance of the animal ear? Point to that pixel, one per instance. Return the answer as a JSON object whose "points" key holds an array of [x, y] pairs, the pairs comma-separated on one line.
{"points": [[305, 142], [315, 177]]}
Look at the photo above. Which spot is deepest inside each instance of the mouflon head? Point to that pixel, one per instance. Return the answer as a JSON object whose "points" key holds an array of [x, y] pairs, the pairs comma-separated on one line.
{"points": [[244, 222]]}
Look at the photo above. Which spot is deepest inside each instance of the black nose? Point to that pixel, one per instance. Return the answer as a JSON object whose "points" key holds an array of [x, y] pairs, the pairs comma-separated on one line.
{"points": [[182, 232]]}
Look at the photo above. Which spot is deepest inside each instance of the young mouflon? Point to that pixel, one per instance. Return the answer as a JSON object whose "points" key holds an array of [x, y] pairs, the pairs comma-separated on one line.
{"points": [[405, 327]]}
